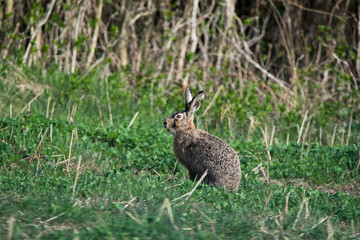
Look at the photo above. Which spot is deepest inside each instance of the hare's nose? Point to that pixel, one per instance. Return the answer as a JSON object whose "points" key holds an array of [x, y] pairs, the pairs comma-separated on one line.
{"points": [[165, 124]]}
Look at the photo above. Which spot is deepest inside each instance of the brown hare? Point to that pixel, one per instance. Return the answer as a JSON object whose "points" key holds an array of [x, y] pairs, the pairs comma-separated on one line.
{"points": [[199, 151]]}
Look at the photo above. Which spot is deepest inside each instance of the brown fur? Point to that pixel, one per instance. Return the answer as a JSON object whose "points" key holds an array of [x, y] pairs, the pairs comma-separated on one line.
{"points": [[197, 150]]}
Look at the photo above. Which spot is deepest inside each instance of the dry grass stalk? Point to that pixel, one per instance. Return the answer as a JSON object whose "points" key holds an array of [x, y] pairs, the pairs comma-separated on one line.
{"points": [[37, 151], [11, 110], [251, 128], [307, 211], [166, 204], [76, 178], [308, 147], [29, 109], [133, 217], [333, 136], [213, 100], [71, 143], [38, 147], [320, 222], [29, 103], [11, 224], [187, 195], [72, 113], [222, 115], [173, 171], [302, 126], [68, 114], [128, 204], [259, 168], [330, 230], [48, 107], [267, 202], [133, 119], [51, 133], [307, 128], [53, 218], [197, 184], [65, 161], [286, 210], [230, 129], [156, 173], [352, 224], [272, 135], [349, 129], [53, 111], [304, 138], [299, 212], [287, 140], [266, 140], [342, 136]]}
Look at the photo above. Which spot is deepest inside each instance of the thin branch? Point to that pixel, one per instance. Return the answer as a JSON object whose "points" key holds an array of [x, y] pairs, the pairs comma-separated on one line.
{"points": [[257, 65], [313, 10], [41, 23]]}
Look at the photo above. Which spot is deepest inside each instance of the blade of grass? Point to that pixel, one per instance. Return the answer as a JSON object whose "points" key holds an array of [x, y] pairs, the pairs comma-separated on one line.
{"points": [[76, 178]]}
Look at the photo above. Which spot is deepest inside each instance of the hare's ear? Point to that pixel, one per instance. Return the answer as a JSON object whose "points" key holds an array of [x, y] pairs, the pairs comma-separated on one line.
{"points": [[195, 103], [188, 96]]}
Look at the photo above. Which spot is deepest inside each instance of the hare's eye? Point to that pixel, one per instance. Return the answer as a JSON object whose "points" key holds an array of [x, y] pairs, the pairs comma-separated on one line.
{"points": [[179, 116]]}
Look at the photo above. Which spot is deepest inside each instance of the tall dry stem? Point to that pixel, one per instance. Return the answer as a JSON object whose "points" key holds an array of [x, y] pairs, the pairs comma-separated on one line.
{"points": [[95, 34], [76, 178], [266, 140]]}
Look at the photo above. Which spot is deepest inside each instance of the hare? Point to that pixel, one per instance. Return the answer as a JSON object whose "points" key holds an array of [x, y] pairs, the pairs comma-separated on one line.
{"points": [[199, 151]]}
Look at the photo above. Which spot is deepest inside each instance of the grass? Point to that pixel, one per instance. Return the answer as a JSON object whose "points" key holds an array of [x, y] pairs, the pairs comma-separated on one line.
{"points": [[73, 175]]}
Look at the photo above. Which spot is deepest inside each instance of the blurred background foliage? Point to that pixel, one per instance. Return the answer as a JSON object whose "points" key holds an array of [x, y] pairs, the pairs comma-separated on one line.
{"points": [[280, 64]]}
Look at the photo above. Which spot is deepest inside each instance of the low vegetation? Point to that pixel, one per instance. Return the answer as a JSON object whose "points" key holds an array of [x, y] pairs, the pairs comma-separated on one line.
{"points": [[86, 86], [81, 160]]}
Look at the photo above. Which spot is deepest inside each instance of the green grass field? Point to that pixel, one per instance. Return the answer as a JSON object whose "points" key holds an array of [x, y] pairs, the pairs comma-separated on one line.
{"points": [[68, 172]]}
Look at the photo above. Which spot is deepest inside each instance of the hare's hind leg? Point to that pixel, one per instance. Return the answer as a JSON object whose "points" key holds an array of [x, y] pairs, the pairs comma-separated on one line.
{"points": [[192, 175], [214, 182], [195, 176]]}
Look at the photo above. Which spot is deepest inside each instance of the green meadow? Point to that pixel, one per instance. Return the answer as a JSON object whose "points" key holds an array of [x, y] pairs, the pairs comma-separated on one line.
{"points": [[68, 171], [85, 86]]}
